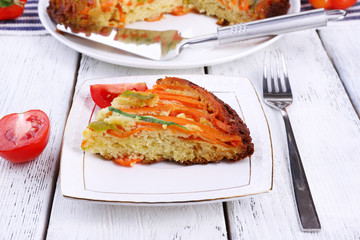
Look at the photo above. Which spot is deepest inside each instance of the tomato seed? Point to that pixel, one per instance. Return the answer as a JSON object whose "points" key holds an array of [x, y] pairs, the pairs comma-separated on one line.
{"points": [[11, 136]]}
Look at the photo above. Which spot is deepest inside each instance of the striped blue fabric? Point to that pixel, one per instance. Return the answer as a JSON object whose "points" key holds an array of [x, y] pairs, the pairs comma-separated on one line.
{"points": [[29, 23]]}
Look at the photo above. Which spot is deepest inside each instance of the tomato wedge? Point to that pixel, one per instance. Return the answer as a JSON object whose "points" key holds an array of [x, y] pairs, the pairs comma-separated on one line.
{"points": [[103, 94], [23, 136]]}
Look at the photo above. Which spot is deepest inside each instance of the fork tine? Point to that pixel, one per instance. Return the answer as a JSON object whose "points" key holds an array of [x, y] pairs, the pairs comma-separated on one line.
{"points": [[278, 77], [272, 83], [265, 74], [286, 77]]}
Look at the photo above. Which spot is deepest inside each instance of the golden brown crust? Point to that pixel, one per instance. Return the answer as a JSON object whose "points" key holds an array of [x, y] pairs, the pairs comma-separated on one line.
{"points": [[225, 114], [277, 8]]}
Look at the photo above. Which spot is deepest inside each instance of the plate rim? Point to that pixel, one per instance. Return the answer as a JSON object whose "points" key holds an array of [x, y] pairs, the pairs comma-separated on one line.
{"points": [[266, 189]]}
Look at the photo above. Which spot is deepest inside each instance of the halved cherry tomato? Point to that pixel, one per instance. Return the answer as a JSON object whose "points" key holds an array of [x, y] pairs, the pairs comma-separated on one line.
{"points": [[103, 94], [10, 9], [23, 136], [342, 4], [320, 3], [332, 4]]}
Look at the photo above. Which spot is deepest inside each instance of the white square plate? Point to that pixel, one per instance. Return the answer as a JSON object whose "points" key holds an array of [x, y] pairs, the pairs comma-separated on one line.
{"points": [[89, 177]]}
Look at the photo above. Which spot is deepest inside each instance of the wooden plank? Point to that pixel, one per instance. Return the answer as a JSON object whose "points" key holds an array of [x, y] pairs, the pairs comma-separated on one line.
{"points": [[327, 130], [342, 45], [36, 73], [85, 220]]}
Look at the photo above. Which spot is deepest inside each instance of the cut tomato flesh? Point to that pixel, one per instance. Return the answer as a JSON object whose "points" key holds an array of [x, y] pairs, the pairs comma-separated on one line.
{"points": [[23, 136]]}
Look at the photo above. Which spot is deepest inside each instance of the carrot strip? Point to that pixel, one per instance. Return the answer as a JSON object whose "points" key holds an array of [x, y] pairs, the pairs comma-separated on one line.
{"points": [[185, 101], [259, 7], [202, 135], [210, 130], [241, 5], [106, 6], [85, 11], [121, 12], [179, 11], [192, 113], [154, 19], [134, 35], [246, 5], [127, 162], [149, 124], [210, 139], [227, 5], [84, 143], [221, 125]]}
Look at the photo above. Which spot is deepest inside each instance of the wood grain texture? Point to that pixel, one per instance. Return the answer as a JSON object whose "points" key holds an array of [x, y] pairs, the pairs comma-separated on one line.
{"points": [[343, 48], [327, 130], [39, 72], [35, 73], [71, 219], [76, 219]]}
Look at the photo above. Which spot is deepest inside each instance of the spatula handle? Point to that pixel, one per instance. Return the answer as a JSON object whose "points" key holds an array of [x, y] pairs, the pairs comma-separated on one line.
{"points": [[278, 25]]}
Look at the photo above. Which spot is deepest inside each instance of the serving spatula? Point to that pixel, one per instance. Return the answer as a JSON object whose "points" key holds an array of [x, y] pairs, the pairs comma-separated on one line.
{"points": [[166, 45]]}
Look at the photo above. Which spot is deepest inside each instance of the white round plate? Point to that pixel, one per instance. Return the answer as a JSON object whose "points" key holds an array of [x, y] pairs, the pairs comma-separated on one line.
{"points": [[189, 25]]}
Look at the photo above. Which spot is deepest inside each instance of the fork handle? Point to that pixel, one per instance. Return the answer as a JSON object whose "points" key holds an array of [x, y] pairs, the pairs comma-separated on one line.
{"points": [[305, 205]]}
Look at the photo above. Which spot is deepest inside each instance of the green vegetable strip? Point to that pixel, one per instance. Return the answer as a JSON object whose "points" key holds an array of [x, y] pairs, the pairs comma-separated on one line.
{"points": [[254, 4], [100, 126], [140, 96], [146, 119]]}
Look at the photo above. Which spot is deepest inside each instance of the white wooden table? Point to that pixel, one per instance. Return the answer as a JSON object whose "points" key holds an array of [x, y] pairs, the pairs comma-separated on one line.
{"points": [[324, 68]]}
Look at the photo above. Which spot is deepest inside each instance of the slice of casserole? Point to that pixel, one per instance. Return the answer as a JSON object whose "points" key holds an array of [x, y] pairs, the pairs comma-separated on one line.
{"points": [[176, 120]]}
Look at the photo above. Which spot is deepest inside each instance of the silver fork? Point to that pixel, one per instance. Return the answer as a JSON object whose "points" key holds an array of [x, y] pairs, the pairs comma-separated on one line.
{"points": [[279, 96]]}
